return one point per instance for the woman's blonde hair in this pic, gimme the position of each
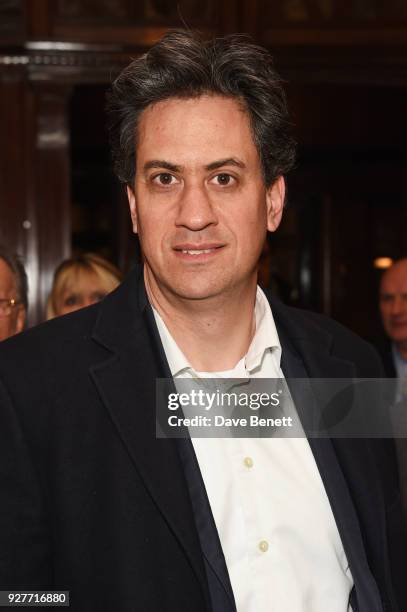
(67, 273)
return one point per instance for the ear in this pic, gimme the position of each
(20, 319)
(133, 208)
(275, 197)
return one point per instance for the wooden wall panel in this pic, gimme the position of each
(12, 154)
(124, 22)
(331, 22)
(38, 19)
(331, 14)
(34, 178)
(11, 22)
(128, 12)
(13, 123)
(50, 181)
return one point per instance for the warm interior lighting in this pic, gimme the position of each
(382, 262)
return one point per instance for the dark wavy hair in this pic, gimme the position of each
(181, 65)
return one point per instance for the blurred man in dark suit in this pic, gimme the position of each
(393, 309)
(13, 294)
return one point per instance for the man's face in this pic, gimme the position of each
(200, 205)
(14, 322)
(393, 302)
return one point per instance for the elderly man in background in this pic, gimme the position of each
(393, 309)
(13, 294)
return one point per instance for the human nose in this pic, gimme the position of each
(396, 305)
(195, 210)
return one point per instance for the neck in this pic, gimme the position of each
(213, 333)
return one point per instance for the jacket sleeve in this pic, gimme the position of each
(25, 549)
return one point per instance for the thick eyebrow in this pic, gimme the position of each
(161, 163)
(219, 163)
(229, 161)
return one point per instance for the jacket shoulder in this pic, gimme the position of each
(343, 343)
(52, 335)
(44, 355)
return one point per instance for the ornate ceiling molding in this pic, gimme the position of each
(58, 60)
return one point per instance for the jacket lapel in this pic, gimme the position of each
(126, 385)
(310, 343)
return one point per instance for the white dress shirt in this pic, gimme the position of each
(278, 534)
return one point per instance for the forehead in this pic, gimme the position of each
(80, 279)
(196, 129)
(77, 277)
(395, 279)
(7, 281)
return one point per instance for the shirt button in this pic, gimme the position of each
(248, 461)
(264, 546)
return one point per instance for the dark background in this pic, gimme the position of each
(345, 64)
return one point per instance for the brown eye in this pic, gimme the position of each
(164, 178)
(224, 179)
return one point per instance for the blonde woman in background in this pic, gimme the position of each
(81, 281)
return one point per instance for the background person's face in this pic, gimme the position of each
(393, 302)
(200, 205)
(13, 323)
(86, 289)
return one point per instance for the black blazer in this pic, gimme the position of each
(385, 351)
(93, 503)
